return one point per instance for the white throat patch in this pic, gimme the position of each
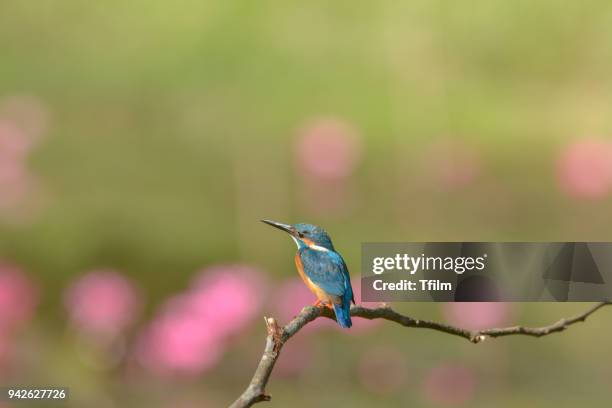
(296, 241)
(312, 246)
(318, 248)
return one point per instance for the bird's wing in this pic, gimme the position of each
(327, 270)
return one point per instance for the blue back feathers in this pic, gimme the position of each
(327, 270)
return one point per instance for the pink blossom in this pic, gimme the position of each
(328, 149)
(476, 315)
(179, 343)
(18, 298)
(187, 337)
(449, 384)
(584, 169)
(451, 164)
(383, 371)
(103, 302)
(228, 296)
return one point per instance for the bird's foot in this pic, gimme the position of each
(322, 305)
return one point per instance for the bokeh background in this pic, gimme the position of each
(141, 142)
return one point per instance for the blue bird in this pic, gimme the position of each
(321, 268)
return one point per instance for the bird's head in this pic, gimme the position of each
(305, 235)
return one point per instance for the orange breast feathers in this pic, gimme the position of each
(318, 292)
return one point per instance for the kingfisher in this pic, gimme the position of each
(321, 268)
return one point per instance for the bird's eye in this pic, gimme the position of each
(301, 235)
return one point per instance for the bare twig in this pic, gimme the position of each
(278, 336)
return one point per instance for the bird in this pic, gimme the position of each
(321, 268)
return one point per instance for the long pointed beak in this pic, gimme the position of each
(287, 228)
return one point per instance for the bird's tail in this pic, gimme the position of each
(343, 314)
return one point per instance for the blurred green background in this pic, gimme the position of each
(173, 127)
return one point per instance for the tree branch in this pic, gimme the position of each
(278, 336)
